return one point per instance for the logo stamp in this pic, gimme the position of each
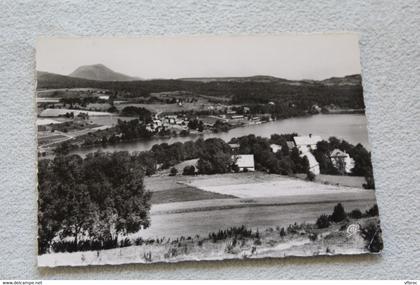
(353, 229)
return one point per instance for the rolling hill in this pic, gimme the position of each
(344, 92)
(101, 73)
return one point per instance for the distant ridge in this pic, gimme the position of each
(346, 80)
(100, 72)
(52, 80)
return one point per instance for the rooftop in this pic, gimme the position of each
(245, 160)
(307, 140)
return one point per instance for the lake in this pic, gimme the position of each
(351, 127)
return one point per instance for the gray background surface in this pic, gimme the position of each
(390, 48)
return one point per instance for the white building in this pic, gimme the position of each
(245, 162)
(237, 117)
(275, 147)
(104, 97)
(342, 161)
(305, 143)
(234, 146)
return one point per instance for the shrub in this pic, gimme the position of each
(373, 212)
(189, 170)
(173, 172)
(282, 232)
(338, 214)
(323, 221)
(372, 234)
(125, 242)
(313, 236)
(370, 182)
(355, 214)
(138, 241)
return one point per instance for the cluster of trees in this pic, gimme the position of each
(94, 198)
(132, 129)
(196, 124)
(123, 131)
(339, 214)
(142, 113)
(220, 126)
(361, 157)
(215, 155)
(286, 161)
(81, 100)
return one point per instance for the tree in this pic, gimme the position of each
(63, 148)
(215, 157)
(142, 113)
(355, 214)
(200, 127)
(338, 214)
(98, 197)
(323, 221)
(189, 170)
(373, 212)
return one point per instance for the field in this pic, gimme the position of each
(186, 209)
(184, 194)
(166, 108)
(258, 185)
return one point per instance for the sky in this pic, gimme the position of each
(290, 56)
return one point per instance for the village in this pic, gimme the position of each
(94, 113)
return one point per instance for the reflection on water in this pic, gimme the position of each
(351, 127)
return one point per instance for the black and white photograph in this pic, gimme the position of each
(189, 148)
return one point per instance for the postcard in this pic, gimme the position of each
(168, 149)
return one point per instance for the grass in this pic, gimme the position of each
(185, 194)
(234, 242)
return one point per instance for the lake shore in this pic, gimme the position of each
(351, 127)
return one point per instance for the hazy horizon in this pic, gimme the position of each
(288, 56)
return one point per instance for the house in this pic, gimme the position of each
(234, 146)
(104, 97)
(157, 123)
(304, 143)
(342, 161)
(237, 117)
(245, 162)
(275, 147)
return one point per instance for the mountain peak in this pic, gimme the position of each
(100, 72)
